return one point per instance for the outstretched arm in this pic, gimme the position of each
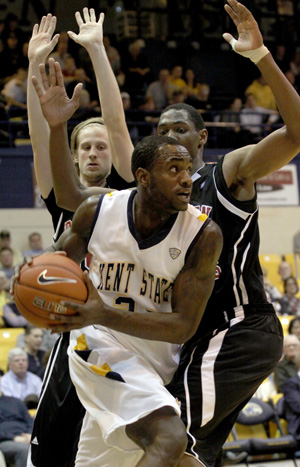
(246, 165)
(57, 109)
(90, 37)
(191, 291)
(40, 45)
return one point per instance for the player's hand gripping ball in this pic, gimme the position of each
(41, 286)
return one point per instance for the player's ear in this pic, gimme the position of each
(202, 137)
(142, 176)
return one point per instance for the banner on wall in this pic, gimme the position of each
(279, 188)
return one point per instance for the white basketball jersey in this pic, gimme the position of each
(138, 275)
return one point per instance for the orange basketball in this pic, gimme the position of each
(44, 283)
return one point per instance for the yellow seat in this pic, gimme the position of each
(8, 340)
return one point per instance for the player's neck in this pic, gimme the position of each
(198, 162)
(148, 221)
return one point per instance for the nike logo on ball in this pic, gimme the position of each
(45, 280)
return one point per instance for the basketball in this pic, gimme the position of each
(44, 283)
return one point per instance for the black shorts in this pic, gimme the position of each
(219, 373)
(59, 416)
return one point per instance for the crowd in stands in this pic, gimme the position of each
(246, 119)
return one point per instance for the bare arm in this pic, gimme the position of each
(244, 166)
(90, 36)
(57, 108)
(40, 46)
(191, 291)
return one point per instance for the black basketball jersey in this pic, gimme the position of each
(238, 281)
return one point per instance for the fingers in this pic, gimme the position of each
(76, 93)
(54, 41)
(78, 18)
(44, 77)
(52, 72)
(36, 86)
(93, 15)
(42, 24)
(61, 253)
(72, 35)
(51, 24)
(101, 18)
(228, 37)
(35, 30)
(58, 75)
(86, 15)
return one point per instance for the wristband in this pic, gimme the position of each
(255, 55)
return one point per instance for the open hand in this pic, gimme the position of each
(41, 43)
(56, 106)
(87, 314)
(90, 30)
(250, 37)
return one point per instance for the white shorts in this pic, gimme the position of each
(115, 386)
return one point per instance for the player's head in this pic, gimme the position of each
(91, 151)
(184, 123)
(162, 168)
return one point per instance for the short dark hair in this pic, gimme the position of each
(147, 151)
(29, 328)
(4, 234)
(193, 114)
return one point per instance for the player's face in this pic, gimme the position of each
(177, 124)
(93, 155)
(170, 183)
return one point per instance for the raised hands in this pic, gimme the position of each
(250, 37)
(56, 106)
(41, 43)
(90, 30)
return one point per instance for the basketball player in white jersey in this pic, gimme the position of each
(152, 272)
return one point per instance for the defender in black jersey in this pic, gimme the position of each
(239, 339)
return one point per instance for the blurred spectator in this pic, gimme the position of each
(287, 367)
(296, 243)
(69, 70)
(61, 53)
(177, 97)
(285, 269)
(253, 116)
(192, 87)
(35, 245)
(232, 135)
(15, 89)
(291, 392)
(11, 26)
(270, 288)
(126, 100)
(11, 55)
(6, 261)
(137, 69)
(267, 389)
(3, 297)
(80, 76)
(160, 90)
(112, 55)
(281, 58)
(294, 327)
(262, 93)
(87, 108)
(5, 240)
(203, 101)
(18, 381)
(12, 317)
(33, 342)
(175, 79)
(47, 342)
(290, 304)
(15, 430)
